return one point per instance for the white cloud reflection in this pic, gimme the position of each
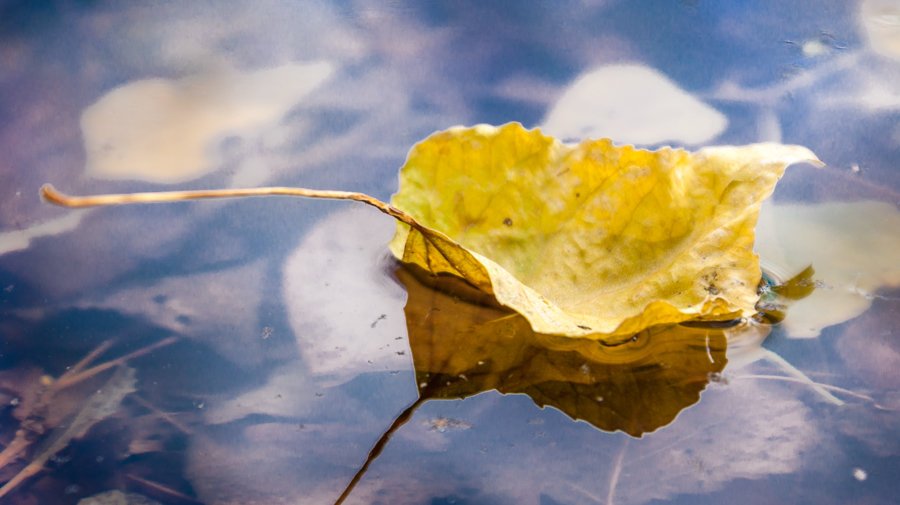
(748, 430)
(20, 239)
(345, 310)
(852, 247)
(880, 20)
(162, 130)
(392, 89)
(632, 104)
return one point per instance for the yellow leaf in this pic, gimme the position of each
(589, 240)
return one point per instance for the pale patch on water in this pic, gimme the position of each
(165, 131)
(218, 307)
(18, 240)
(880, 20)
(632, 104)
(852, 247)
(345, 310)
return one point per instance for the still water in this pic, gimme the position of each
(254, 351)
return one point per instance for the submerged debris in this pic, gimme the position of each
(444, 424)
(116, 497)
(52, 413)
(103, 403)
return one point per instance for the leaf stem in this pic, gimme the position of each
(52, 195)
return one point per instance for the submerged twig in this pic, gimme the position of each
(85, 361)
(163, 415)
(162, 489)
(617, 471)
(828, 387)
(12, 450)
(800, 376)
(100, 405)
(67, 380)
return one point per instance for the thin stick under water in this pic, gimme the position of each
(50, 194)
(823, 386)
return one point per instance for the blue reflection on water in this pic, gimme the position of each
(264, 420)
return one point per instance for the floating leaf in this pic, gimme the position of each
(590, 240)
(542, 241)
(587, 240)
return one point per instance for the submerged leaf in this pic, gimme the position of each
(590, 240)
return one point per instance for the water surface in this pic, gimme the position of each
(290, 353)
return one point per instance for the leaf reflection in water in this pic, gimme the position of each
(463, 344)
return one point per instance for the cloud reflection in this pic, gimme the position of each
(853, 262)
(881, 21)
(632, 104)
(165, 131)
(345, 310)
